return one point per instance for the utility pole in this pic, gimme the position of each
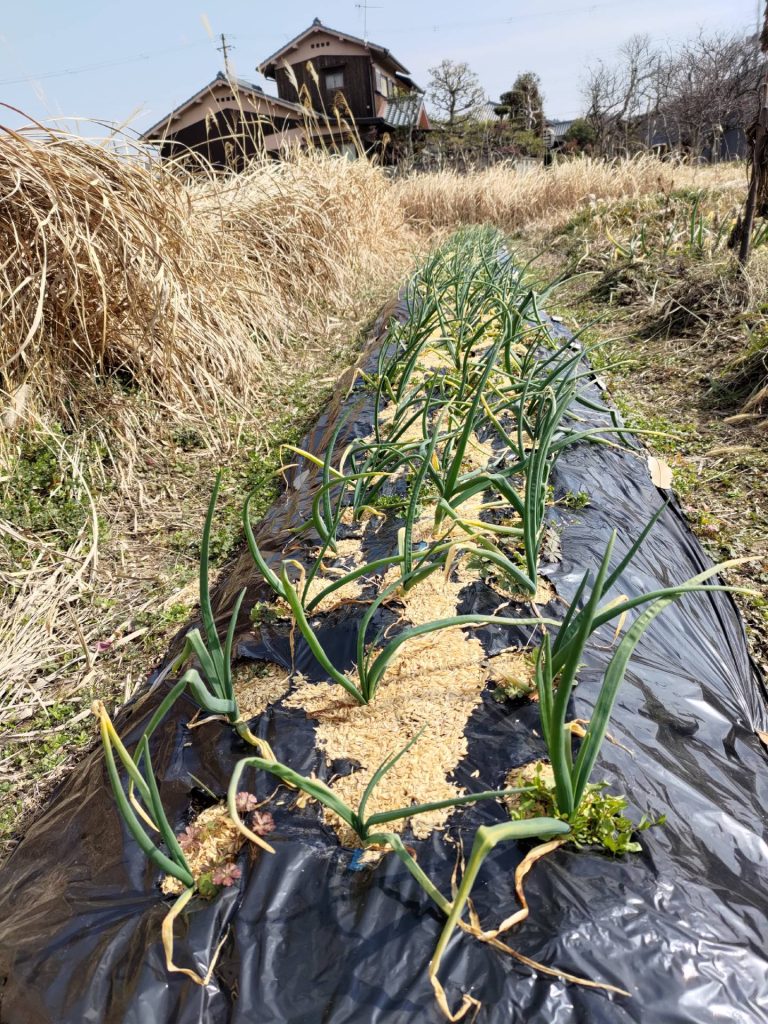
(225, 48)
(742, 232)
(756, 183)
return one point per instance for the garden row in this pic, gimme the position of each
(398, 675)
(474, 401)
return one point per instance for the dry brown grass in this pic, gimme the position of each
(664, 258)
(192, 289)
(686, 335)
(513, 199)
(189, 289)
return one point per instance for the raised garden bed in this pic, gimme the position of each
(466, 536)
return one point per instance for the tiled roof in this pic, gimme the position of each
(318, 26)
(482, 113)
(403, 111)
(487, 111)
(559, 129)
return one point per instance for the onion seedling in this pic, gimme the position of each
(215, 692)
(140, 820)
(558, 664)
(152, 814)
(487, 838)
(368, 830)
(371, 664)
(364, 826)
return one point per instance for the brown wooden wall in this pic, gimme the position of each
(358, 90)
(228, 140)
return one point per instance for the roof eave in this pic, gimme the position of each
(161, 129)
(406, 77)
(387, 55)
(151, 133)
(268, 65)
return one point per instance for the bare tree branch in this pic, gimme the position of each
(684, 98)
(454, 91)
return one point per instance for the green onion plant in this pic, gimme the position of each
(505, 380)
(372, 662)
(559, 661)
(214, 691)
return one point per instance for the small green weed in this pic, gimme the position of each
(159, 619)
(188, 439)
(41, 493)
(575, 499)
(10, 809)
(515, 682)
(394, 503)
(599, 820)
(263, 613)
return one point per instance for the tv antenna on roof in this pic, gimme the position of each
(365, 7)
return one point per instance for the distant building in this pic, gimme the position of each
(555, 132)
(332, 89)
(224, 122)
(720, 142)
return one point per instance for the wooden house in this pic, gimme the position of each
(338, 71)
(333, 89)
(226, 122)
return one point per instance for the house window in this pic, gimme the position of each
(383, 84)
(334, 80)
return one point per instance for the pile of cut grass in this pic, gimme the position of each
(116, 267)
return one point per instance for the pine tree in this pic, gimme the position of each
(523, 105)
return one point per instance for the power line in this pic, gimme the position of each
(100, 65)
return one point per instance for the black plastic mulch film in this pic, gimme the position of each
(313, 938)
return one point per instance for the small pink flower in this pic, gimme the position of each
(226, 874)
(262, 823)
(246, 802)
(188, 837)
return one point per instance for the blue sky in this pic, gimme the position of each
(135, 61)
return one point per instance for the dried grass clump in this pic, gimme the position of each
(510, 198)
(135, 299)
(259, 684)
(189, 289)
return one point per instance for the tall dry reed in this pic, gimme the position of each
(512, 198)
